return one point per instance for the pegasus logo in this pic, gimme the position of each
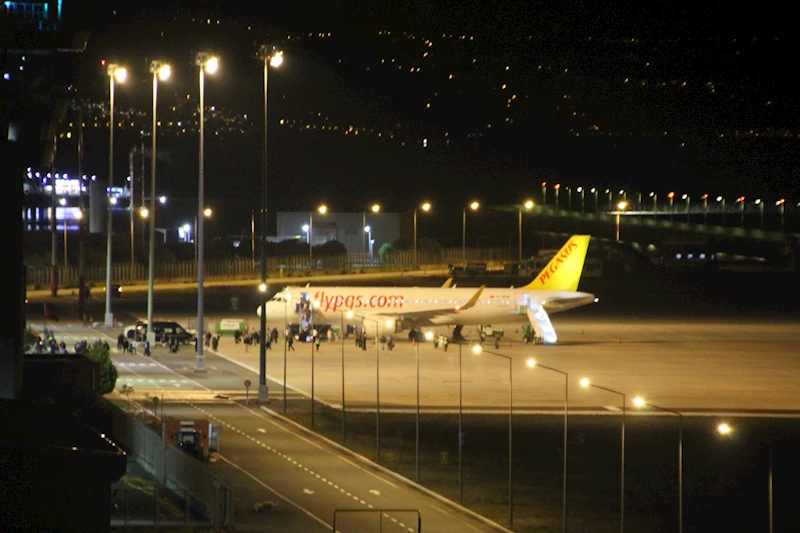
(557, 261)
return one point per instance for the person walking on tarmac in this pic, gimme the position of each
(444, 343)
(316, 342)
(290, 341)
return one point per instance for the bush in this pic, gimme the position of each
(108, 372)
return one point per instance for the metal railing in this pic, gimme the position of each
(125, 273)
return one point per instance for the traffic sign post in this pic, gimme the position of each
(247, 391)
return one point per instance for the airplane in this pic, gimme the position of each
(390, 310)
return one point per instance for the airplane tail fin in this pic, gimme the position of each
(564, 270)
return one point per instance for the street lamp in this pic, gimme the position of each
(608, 192)
(368, 231)
(272, 57)
(557, 188)
(210, 64)
(594, 191)
(624, 195)
(688, 204)
(377, 387)
(760, 205)
(582, 191)
(544, 193)
(740, 201)
(671, 196)
(159, 70)
(722, 200)
(527, 205)
(425, 207)
(477, 348)
(654, 196)
(474, 206)
(322, 209)
(781, 206)
(207, 212)
(620, 208)
(705, 209)
(116, 73)
(639, 402)
(569, 198)
(586, 383)
(375, 209)
(533, 364)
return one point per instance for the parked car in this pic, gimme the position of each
(164, 330)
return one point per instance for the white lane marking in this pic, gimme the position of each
(275, 492)
(308, 491)
(261, 430)
(375, 492)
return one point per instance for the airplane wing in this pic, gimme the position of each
(447, 283)
(555, 303)
(422, 317)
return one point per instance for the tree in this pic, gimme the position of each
(108, 372)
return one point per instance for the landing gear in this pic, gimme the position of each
(416, 336)
(457, 337)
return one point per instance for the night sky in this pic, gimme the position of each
(399, 102)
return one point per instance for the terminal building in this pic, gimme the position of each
(358, 232)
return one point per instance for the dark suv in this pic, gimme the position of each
(165, 331)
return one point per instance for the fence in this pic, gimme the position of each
(206, 499)
(232, 269)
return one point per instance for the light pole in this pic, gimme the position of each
(721, 200)
(544, 193)
(527, 205)
(671, 196)
(760, 205)
(368, 231)
(115, 73)
(654, 196)
(740, 201)
(624, 195)
(131, 208)
(582, 191)
(479, 349)
(620, 208)
(310, 230)
(688, 206)
(286, 299)
(375, 209)
(586, 383)
(207, 212)
(781, 207)
(159, 70)
(416, 432)
(608, 192)
(594, 191)
(207, 63)
(705, 209)
(377, 386)
(639, 402)
(569, 198)
(425, 207)
(341, 338)
(273, 57)
(533, 364)
(557, 188)
(474, 206)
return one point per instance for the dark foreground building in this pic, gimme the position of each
(56, 471)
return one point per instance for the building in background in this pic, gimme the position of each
(346, 228)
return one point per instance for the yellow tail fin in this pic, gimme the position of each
(563, 272)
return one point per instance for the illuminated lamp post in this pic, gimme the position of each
(639, 402)
(620, 208)
(781, 207)
(322, 209)
(210, 64)
(586, 383)
(533, 364)
(474, 206)
(740, 201)
(375, 209)
(688, 206)
(425, 207)
(557, 188)
(760, 205)
(271, 57)
(477, 348)
(721, 200)
(595, 192)
(671, 197)
(582, 191)
(527, 205)
(544, 193)
(159, 70)
(705, 209)
(118, 74)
